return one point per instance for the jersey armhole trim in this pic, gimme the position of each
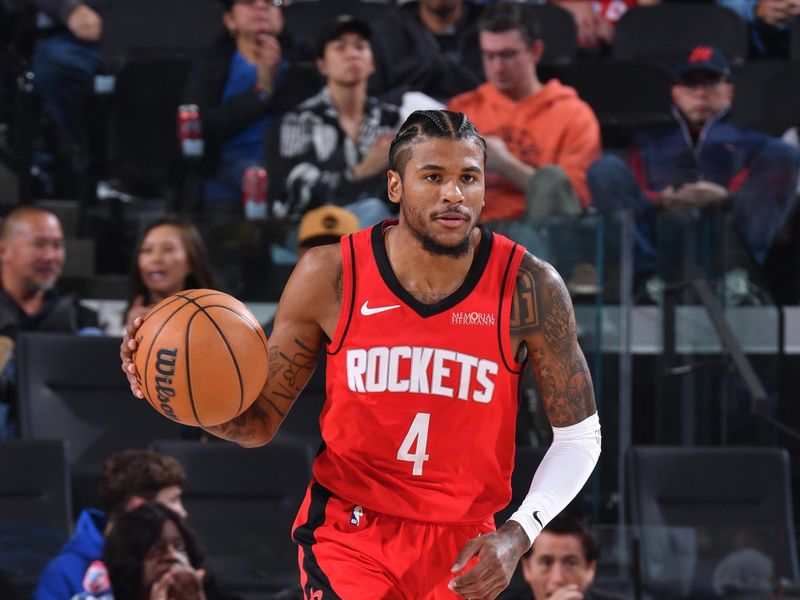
(504, 320)
(348, 295)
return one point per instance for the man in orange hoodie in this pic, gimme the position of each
(541, 137)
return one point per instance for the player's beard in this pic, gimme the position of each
(429, 244)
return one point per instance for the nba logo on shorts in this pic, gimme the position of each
(355, 518)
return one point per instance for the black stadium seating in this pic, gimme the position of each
(72, 388)
(665, 31)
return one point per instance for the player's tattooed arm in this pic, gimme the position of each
(307, 312)
(290, 367)
(543, 325)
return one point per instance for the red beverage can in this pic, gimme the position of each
(190, 130)
(254, 193)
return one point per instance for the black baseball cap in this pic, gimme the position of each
(703, 58)
(342, 24)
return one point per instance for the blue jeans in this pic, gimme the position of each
(759, 208)
(64, 67)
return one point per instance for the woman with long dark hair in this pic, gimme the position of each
(170, 257)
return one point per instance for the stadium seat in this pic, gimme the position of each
(557, 30)
(35, 515)
(242, 503)
(72, 388)
(767, 95)
(142, 144)
(305, 19)
(139, 27)
(794, 52)
(625, 96)
(694, 507)
(526, 461)
(666, 31)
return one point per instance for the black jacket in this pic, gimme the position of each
(60, 314)
(408, 57)
(222, 121)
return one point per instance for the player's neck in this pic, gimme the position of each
(421, 271)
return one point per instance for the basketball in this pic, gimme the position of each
(201, 357)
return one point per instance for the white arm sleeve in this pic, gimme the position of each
(562, 473)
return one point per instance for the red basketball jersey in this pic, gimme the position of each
(422, 399)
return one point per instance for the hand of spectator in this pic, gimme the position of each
(586, 20)
(268, 58)
(126, 350)
(497, 555)
(774, 12)
(707, 192)
(497, 154)
(137, 309)
(568, 592)
(499, 159)
(690, 196)
(181, 582)
(376, 160)
(85, 24)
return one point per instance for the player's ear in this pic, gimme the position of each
(394, 185)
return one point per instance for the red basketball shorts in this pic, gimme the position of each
(350, 553)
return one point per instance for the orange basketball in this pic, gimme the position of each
(201, 357)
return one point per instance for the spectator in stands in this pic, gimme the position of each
(31, 258)
(130, 478)
(700, 160)
(324, 225)
(334, 148)
(170, 257)
(769, 24)
(151, 553)
(562, 562)
(241, 87)
(541, 138)
(595, 20)
(65, 58)
(427, 46)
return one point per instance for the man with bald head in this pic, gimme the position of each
(31, 259)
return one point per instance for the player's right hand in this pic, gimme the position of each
(126, 350)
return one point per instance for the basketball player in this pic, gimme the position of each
(428, 323)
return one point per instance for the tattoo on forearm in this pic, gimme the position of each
(288, 372)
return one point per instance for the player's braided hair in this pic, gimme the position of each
(426, 124)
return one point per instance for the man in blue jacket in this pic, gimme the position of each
(130, 478)
(700, 160)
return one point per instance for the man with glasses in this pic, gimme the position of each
(541, 137)
(700, 160)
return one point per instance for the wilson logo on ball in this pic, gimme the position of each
(165, 365)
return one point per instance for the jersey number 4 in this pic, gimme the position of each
(416, 437)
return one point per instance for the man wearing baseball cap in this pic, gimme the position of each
(700, 160)
(334, 147)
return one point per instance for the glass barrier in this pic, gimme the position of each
(700, 397)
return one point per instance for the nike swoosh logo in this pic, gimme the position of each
(367, 311)
(537, 519)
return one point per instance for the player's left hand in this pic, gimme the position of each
(498, 554)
